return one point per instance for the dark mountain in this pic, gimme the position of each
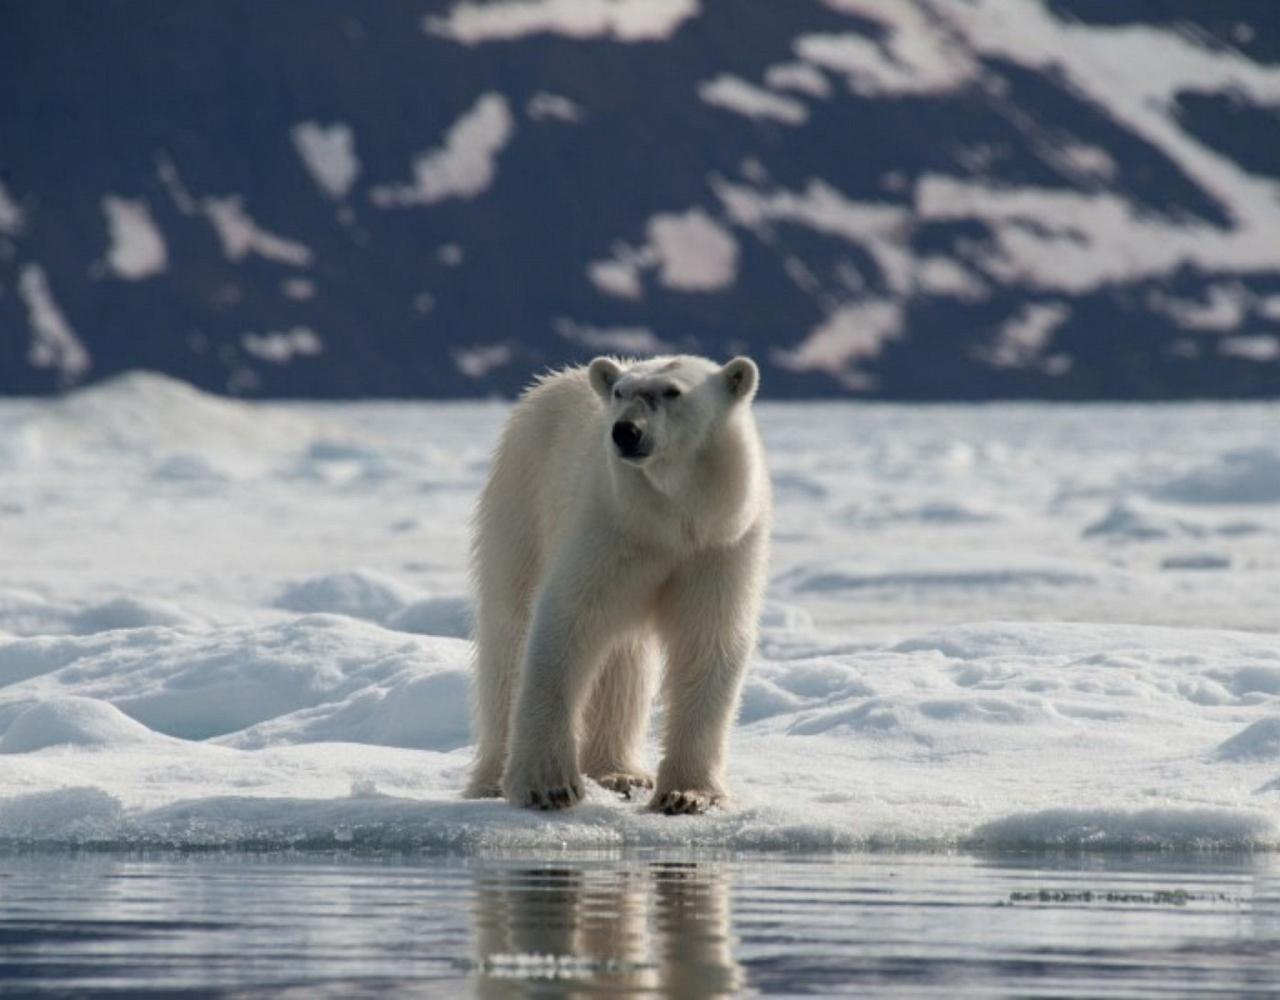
(909, 200)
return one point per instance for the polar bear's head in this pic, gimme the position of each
(666, 408)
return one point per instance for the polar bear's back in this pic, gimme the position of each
(551, 436)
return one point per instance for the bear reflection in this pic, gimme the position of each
(570, 931)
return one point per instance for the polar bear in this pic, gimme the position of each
(626, 517)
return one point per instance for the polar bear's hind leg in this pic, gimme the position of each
(617, 717)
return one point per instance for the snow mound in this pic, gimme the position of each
(214, 683)
(20, 446)
(1128, 521)
(1244, 476)
(81, 722)
(26, 613)
(447, 614)
(1075, 643)
(1257, 741)
(182, 434)
(333, 732)
(1196, 561)
(339, 461)
(916, 720)
(785, 617)
(427, 712)
(934, 512)
(23, 612)
(761, 699)
(153, 413)
(811, 579)
(129, 612)
(358, 593)
(190, 467)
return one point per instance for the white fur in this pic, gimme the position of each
(589, 566)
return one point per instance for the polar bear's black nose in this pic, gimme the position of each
(626, 436)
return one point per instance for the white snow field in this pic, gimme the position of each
(225, 624)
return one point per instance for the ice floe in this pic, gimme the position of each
(1012, 626)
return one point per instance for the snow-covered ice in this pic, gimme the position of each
(1007, 625)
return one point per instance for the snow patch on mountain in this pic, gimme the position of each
(1262, 348)
(628, 341)
(1023, 341)
(329, 154)
(477, 361)
(282, 346)
(690, 251)
(1052, 238)
(13, 221)
(744, 98)
(617, 20)
(1134, 76)
(545, 106)
(883, 229)
(54, 344)
(915, 55)
(798, 76)
(694, 252)
(1224, 308)
(854, 333)
(241, 236)
(464, 166)
(137, 248)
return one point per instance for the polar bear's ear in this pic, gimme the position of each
(603, 373)
(741, 376)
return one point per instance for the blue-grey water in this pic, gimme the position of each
(310, 926)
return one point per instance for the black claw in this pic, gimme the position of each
(535, 798)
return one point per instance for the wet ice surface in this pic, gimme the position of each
(323, 925)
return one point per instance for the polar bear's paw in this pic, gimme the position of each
(544, 788)
(686, 801)
(485, 781)
(482, 789)
(624, 782)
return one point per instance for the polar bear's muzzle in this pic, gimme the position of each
(629, 439)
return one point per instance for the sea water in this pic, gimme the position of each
(692, 925)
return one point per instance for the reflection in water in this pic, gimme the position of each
(952, 926)
(659, 927)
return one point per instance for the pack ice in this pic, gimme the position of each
(225, 624)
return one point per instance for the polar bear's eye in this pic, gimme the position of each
(617, 393)
(671, 394)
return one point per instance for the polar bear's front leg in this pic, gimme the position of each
(582, 607)
(542, 761)
(707, 616)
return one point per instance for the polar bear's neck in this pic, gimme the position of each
(707, 499)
